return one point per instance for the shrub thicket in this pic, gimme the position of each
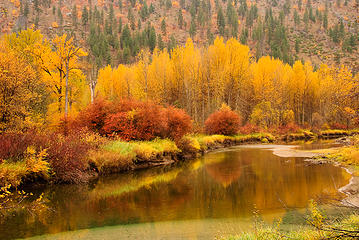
(225, 122)
(131, 119)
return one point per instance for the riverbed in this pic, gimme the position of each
(215, 195)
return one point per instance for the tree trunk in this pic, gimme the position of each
(67, 89)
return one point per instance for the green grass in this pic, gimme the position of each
(12, 173)
(208, 141)
(120, 155)
(324, 231)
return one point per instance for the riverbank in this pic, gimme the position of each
(346, 157)
(319, 226)
(78, 159)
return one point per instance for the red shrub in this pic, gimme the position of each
(133, 120)
(69, 125)
(249, 128)
(93, 117)
(67, 157)
(224, 121)
(145, 122)
(288, 128)
(178, 123)
(338, 126)
(128, 104)
(14, 144)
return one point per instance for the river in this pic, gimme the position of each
(212, 196)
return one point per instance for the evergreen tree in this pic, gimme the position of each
(125, 39)
(152, 9)
(152, 38)
(120, 5)
(244, 36)
(85, 16)
(59, 15)
(180, 18)
(139, 24)
(131, 19)
(296, 18)
(163, 26)
(160, 43)
(220, 22)
(193, 28)
(74, 16)
(120, 25)
(297, 45)
(325, 20)
(171, 43)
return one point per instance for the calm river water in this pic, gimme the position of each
(212, 196)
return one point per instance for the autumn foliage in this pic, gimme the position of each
(131, 119)
(94, 115)
(66, 155)
(225, 122)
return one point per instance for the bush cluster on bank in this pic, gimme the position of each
(37, 156)
(129, 120)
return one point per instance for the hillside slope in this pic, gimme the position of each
(319, 31)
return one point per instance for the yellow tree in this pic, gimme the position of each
(18, 83)
(160, 79)
(66, 58)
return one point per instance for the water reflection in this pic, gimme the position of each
(222, 185)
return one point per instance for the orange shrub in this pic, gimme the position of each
(338, 126)
(94, 115)
(225, 121)
(143, 123)
(288, 128)
(249, 128)
(131, 119)
(178, 123)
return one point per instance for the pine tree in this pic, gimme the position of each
(74, 16)
(120, 25)
(220, 22)
(193, 28)
(85, 16)
(180, 18)
(163, 27)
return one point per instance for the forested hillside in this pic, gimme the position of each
(114, 31)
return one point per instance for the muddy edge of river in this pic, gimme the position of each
(351, 190)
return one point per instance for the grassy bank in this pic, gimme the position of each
(347, 228)
(317, 226)
(76, 159)
(347, 156)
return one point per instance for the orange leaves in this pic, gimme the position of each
(134, 120)
(225, 122)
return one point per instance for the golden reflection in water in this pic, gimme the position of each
(222, 185)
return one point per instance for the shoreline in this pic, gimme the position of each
(351, 190)
(109, 159)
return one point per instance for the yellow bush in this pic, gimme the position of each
(12, 173)
(35, 162)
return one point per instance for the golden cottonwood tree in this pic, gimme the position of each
(18, 89)
(199, 80)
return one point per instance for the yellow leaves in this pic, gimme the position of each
(131, 114)
(349, 111)
(36, 163)
(54, 25)
(201, 79)
(225, 107)
(115, 83)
